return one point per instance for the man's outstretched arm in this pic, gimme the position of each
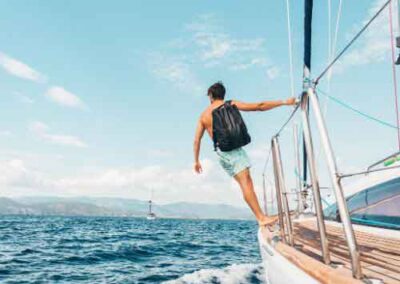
(265, 105)
(196, 146)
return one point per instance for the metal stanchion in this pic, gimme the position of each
(314, 180)
(278, 192)
(340, 199)
(282, 189)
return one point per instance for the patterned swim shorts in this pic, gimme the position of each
(235, 161)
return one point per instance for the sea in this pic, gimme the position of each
(52, 249)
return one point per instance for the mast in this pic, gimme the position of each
(308, 9)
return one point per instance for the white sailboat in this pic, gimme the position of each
(357, 238)
(151, 215)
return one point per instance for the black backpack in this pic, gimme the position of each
(229, 129)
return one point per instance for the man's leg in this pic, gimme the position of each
(246, 184)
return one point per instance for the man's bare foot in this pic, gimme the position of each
(267, 220)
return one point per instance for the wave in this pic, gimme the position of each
(233, 274)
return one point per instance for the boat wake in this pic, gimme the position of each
(233, 274)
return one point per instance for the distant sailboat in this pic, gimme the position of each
(151, 215)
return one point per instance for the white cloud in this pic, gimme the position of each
(169, 185)
(252, 62)
(62, 97)
(219, 47)
(5, 133)
(273, 72)
(41, 130)
(206, 45)
(15, 174)
(176, 72)
(160, 153)
(20, 69)
(374, 45)
(23, 98)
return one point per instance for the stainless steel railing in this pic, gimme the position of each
(281, 193)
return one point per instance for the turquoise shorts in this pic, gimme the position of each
(235, 161)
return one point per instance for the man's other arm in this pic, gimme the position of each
(265, 105)
(196, 146)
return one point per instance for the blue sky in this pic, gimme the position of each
(101, 98)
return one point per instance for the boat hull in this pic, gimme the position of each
(280, 270)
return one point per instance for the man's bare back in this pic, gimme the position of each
(206, 116)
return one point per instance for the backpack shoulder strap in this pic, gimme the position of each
(215, 140)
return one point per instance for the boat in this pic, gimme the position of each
(151, 215)
(356, 239)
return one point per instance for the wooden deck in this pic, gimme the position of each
(380, 256)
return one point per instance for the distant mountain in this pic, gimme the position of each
(104, 206)
(9, 206)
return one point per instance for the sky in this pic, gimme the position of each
(100, 98)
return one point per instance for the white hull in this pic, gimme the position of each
(278, 269)
(151, 217)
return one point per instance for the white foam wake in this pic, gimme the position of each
(233, 274)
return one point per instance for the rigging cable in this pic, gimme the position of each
(351, 42)
(394, 73)
(331, 53)
(363, 114)
(332, 45)
(290, 47)
(338, 17)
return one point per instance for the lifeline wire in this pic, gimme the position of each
(367, 172)
(351, 42)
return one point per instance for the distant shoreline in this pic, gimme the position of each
(117, 207)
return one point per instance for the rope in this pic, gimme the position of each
(351, 42)
(394, 73)
(363, 114)
(290, 48)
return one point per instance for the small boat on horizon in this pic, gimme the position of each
(151, 215)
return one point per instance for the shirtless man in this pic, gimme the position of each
(236, 162)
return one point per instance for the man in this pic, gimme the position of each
(235, 162)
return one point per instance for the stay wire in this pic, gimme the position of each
(351, 42)
(394, 73)
(290, 48)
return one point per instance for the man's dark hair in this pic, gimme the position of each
(217, 91)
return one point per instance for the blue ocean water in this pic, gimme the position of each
(127, 250)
